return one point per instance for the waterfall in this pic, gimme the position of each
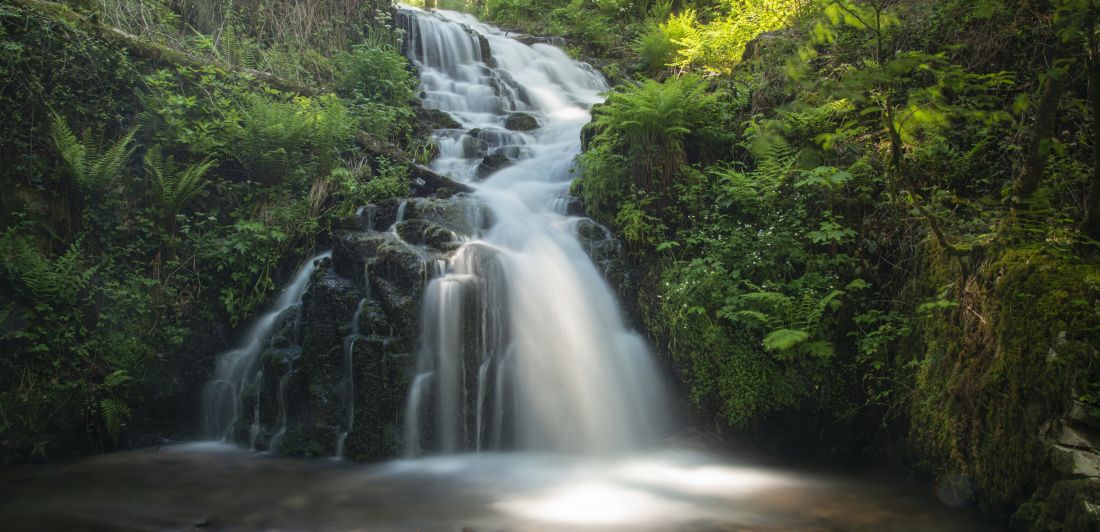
(237, 374)
(523, 345)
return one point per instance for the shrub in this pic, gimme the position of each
(650, 120)
(659, 46)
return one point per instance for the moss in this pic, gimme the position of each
(997, 368)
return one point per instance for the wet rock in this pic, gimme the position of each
(350, 223)
(397, 276)
(588, 132)
(374, 322)
(316, 407)
(350, 251)
(492, 163)
(1077, 501)
(382, 372)
(486, 51)
(521, 122)
(473, 147)
(574, 206)
(463, 215)
(425, 233)
(552, 40)
(1082, 414)
(429, 120)
(606, 253)
(1075, 462)
(1078, 438)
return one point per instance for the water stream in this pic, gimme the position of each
(236, 375)
(525, 292)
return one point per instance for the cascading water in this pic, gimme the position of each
(237, 376)
(523, 345)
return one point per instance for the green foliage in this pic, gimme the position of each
(650, 121)
(380, 88)
(794, 327)
(109, 263)
(377, 73)
(270, 139)
(718, 46)
(173, 188)
(660, 45)
(91, 170)
(391, 181)
(274, 137)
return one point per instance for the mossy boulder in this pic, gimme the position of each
(425, 233)
(998, 365)
(521, 122)
(492, 163)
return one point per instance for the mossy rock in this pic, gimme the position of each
(998, 368)
(492, 163)
(521, 122)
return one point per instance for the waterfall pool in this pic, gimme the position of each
(207, 486)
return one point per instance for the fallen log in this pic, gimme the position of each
(424, 179)
(148, 50)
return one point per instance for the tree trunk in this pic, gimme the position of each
(1091, 226)
(1038, 148)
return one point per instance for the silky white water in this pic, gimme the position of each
(523, 344)
(237, 371)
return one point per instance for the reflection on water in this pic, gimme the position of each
(220, 487)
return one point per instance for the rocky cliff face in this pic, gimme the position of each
(337, 369)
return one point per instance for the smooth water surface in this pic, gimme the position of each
(222, 487)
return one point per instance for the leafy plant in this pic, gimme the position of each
(650, 121)
(173, 188)
(91, 169)
(794, 326)
(659, 46)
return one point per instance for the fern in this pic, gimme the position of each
(115, 414)
(652, 119)
(236, 49)
(792, 325)
(785, 339)
(775, 158)
(173, 188)
(57, 281)
(91, 171)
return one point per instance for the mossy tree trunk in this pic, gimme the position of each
(1091, 225)
(1042, 131)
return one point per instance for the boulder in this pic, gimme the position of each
(521, 122)
(491, 163)
(1075, 462)
(425, 233)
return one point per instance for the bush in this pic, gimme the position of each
(377, 82)
(275, 137)
(378, 73)
(649, 121)
(660, 45)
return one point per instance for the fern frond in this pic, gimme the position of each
(71, 149)
(785, 339)
(115, 414)
(106, 167)
(173, 189)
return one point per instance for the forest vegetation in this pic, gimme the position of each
(859, 224)
(159, 188)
